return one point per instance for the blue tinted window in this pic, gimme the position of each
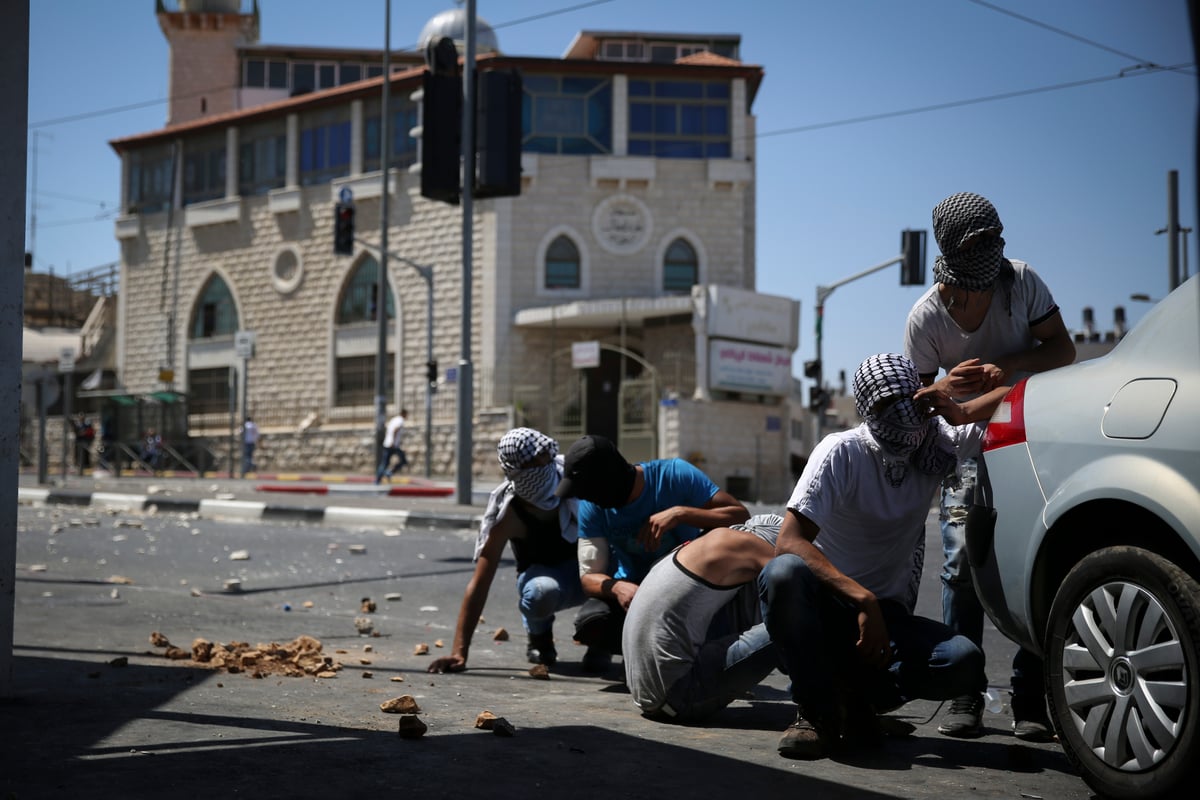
(566, 114)
(679, 119)
(562, 264)
(277, 75)
(304, 77)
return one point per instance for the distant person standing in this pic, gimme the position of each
(391, 447)
(250, 438)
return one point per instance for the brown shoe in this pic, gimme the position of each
(803, 739)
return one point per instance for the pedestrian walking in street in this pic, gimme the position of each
(391, 447)
(541, 530)
(250, 437)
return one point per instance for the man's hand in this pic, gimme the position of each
(624, 591)
(651, 533)
(873, 645)
(934, 401)
(969, 378)
(451, 663)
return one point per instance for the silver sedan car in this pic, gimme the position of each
(1085, 542)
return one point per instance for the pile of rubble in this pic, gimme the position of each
(301, 657)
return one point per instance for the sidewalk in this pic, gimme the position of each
(315, 497)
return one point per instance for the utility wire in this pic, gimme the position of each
(1141, 69)
(1091, 43)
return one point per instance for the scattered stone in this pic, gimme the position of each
(233, 585)
(366, 662)
(196, 592)
(37, 567)
(439, 643)
(327, 674)
(119, 661)
(128, 523)
(397, 679)
(429, 608)
(363, 625)
(485, 720)
(367, 648)
(392, 532)
(502, 727)
(202, 650)
(158, 640)
(368, 674)
(367, 606)
(307, 604)
(411, 727)
(392, 597)
(358, 549)
(540, 672)
(239, 555)
(121, 579)
(500, 635)
(115, 594)
(421, 649)
(177, 653)
(404, 704)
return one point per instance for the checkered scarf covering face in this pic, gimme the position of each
(902, 429)
(535, 485)
(967, 229)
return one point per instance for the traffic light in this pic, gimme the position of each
(912, 267)
(441, 123)
(431, 372)
(812, 369)
(498, 134)
(816, 399)
(343, 229)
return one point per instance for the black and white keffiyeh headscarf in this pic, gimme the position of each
(884, 386)
(533, 484)
(967, 229)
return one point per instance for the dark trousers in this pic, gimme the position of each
(599, 623)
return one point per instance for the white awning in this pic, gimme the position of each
(604, 313)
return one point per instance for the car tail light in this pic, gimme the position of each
(1008, 423)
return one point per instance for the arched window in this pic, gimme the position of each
(354, 381)
(562, 264)
(215, 314)
(358, 298)
(680, 267)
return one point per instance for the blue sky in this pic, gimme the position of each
(862, 118)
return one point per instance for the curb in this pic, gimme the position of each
(247, 509)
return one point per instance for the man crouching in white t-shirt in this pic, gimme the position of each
(839, 595)
(693, 639)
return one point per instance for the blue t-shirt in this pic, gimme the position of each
(668, 482)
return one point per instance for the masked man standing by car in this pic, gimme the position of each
(988, 321)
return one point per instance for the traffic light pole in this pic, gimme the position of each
(823, 293)
(465, 377)
(381, 292)
(426, 273)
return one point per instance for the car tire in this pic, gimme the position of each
(1123, 676)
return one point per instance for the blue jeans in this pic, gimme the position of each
(385, 466)
(815, 632)
(248, 457)
(544, 589)
(961, 609)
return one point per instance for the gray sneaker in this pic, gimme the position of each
(964, 720)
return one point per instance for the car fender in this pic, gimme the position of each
(1134, 479)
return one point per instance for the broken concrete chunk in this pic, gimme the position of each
(500, 635)
(392, 597)
(439, 643)
(363, 625)
(239, 555)
(485, 720)
(502, 727)
(404, 704)
(119, 661)
(158, 640)
(397, 679)
(421, 649)
(367, 606)
(201, 650)
(411, 727)
(177, 653)
(358, 549)
(540, 672)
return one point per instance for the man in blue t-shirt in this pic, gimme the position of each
(630, 516)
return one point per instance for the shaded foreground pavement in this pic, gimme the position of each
(99, 711)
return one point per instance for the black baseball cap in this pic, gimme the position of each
(595, 470)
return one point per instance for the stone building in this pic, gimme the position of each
(614, 295)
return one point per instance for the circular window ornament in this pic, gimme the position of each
(287, 271)
(622, 224)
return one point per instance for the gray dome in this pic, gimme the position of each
(453, 24)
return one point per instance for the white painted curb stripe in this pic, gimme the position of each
(351, 514)
(243, 509)
(123, 502)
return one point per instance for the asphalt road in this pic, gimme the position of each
(93, 584)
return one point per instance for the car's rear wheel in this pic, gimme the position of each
(1122, 666)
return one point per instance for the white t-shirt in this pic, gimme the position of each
(870, 529)
(391, 436)
(933, 340)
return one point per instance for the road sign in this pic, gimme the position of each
(243, 343)
(345, 195)
(585, 354)
(66, 360)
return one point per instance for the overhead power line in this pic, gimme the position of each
(1141, 69)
